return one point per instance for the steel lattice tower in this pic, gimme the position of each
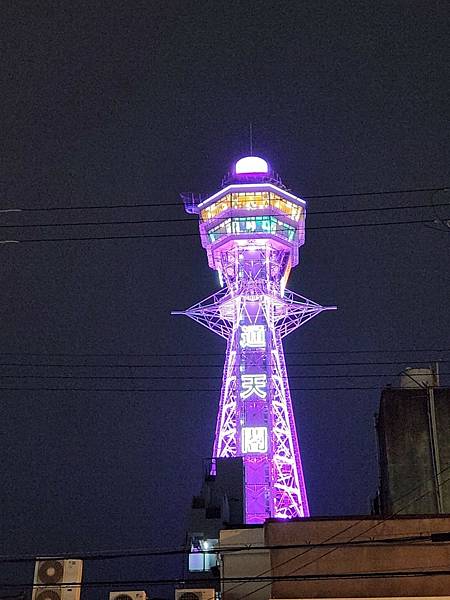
(252, 230)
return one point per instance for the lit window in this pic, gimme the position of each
(252, 201)
(199, 557)
(246, 225)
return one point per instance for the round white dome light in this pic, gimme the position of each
(251, 164)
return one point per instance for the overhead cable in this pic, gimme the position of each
(195, 234)
(348, 528)
(212, 365)
(253, 579)
(190, 377)
(179, 203)
(174, 354)
(417, 540)
(217, 219)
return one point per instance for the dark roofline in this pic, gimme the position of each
(359, 518)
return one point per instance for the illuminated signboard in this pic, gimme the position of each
(253, 336)
(254, 440)
(253, 384)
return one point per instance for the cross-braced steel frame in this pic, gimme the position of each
(282, 493)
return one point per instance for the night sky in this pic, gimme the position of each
(133, 103)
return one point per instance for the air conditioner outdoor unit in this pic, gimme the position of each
(200, 594)
(51, 576)
(127, 595)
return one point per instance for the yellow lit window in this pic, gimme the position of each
(253, 201)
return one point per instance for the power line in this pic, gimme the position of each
(333, 545)
(310, 546)
(203, 365)
(215, 365)
(190, 377)
(179, 204)
(417, 540)
(242, 579)
(195, 234)
(159, 390)
(153, 354)
(345, 529)
(378, 193)
(314, 560)
(374, 209)
(217, 219)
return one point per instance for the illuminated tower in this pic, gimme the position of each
(252, 230)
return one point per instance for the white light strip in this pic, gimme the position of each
(251, 187)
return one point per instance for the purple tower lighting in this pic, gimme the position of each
(252, 230)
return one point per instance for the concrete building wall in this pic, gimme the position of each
(373, 554)
(248, 563)
(409, 478)
(358, 559)
(442, 403)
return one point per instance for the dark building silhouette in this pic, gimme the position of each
(219, 504)
(413, 428)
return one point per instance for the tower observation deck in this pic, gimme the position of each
(252, 230)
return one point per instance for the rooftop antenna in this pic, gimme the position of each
(251, 138)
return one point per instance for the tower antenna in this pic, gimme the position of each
(251, 137)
